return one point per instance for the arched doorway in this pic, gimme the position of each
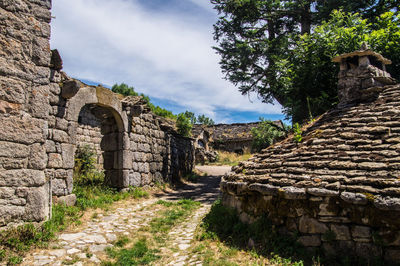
(98, 119)
(98, 129)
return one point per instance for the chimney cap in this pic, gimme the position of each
(364, 51)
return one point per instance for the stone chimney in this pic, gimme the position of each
(362, 74)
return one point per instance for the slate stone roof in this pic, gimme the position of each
(353, 150)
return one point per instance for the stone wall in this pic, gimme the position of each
(24, 110)
(335, 222)
(45, 116)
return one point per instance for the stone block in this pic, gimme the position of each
(12, 90)
(367, 250)
(293, 193)
(135, 179)
(59, 187)
(7, 192)
(39, 104)
(61, 124)
(70, 88)
(11, 163)
(11, 213)
(13, 150)
(55, 160)
(392, 255)
(125, 179)
(68, 155)
(38, 157)
(127, 159)
(354, 198)
(69, 200)
(50, 146)
(60, 136)
(37, 204)
(309, 225)
(361, 231)
(326, 209)
(342, 232)
(310, 241)
(146, 179)
(32, 128)
(22, 178)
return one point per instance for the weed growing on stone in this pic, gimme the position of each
(172, 216)
(122, 241)
(139, 254)
(146, 251)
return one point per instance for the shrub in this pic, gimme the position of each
(265, 134)
(184, 125)
(297, 133)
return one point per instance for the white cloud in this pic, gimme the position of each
(163, 55)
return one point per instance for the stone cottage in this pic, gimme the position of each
(339, 188)
(235, 137)
(45, 116)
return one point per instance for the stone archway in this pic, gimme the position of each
(99, 121)
(98, 129)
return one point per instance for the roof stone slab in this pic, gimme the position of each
(352, 151)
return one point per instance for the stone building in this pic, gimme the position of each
(339, 188)
(45, 116)
(227, 137)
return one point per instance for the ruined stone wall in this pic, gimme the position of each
(24, 110)
(45, 116)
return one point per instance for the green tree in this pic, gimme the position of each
(204, 120)
(256, 39)
(265, 134)
(191, 117)
(184, 125)
(124, 89)
(309, 74)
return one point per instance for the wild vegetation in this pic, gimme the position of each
(230, 158)
(91, 192)
(266, 133)
(282, 50)
(224, 240)
(144, 246)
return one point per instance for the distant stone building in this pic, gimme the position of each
(45, 116)
(227, 137)
(342, 180)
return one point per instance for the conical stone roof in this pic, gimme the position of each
(352, 151)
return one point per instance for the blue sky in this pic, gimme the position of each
(161, 47)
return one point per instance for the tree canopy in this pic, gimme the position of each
(261, 41)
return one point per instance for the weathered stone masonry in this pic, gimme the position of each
(339, 188)
(45, 116)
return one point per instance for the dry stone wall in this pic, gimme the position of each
(24, 110)
(45, 116)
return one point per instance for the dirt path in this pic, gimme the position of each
(86, 245)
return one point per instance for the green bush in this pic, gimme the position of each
(297, 133)
(184, 125)
(265, 134)
(85, 171)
